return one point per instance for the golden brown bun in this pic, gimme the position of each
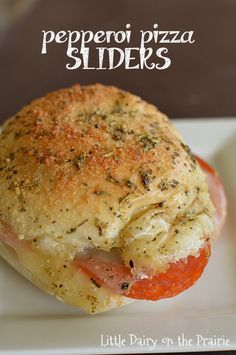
(95, 166)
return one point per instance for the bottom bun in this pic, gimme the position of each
(67, 284)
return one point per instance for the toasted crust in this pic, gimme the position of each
(97, 167)
(78, 165)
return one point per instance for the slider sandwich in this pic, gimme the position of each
(102, 202)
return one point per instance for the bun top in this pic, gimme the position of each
(95, 166)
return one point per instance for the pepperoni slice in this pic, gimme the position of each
(176, 279)
(112, 273)
(180, 276)
(217, 193)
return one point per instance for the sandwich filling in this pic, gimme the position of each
(109, 270)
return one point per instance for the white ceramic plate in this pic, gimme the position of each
(32, 322)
